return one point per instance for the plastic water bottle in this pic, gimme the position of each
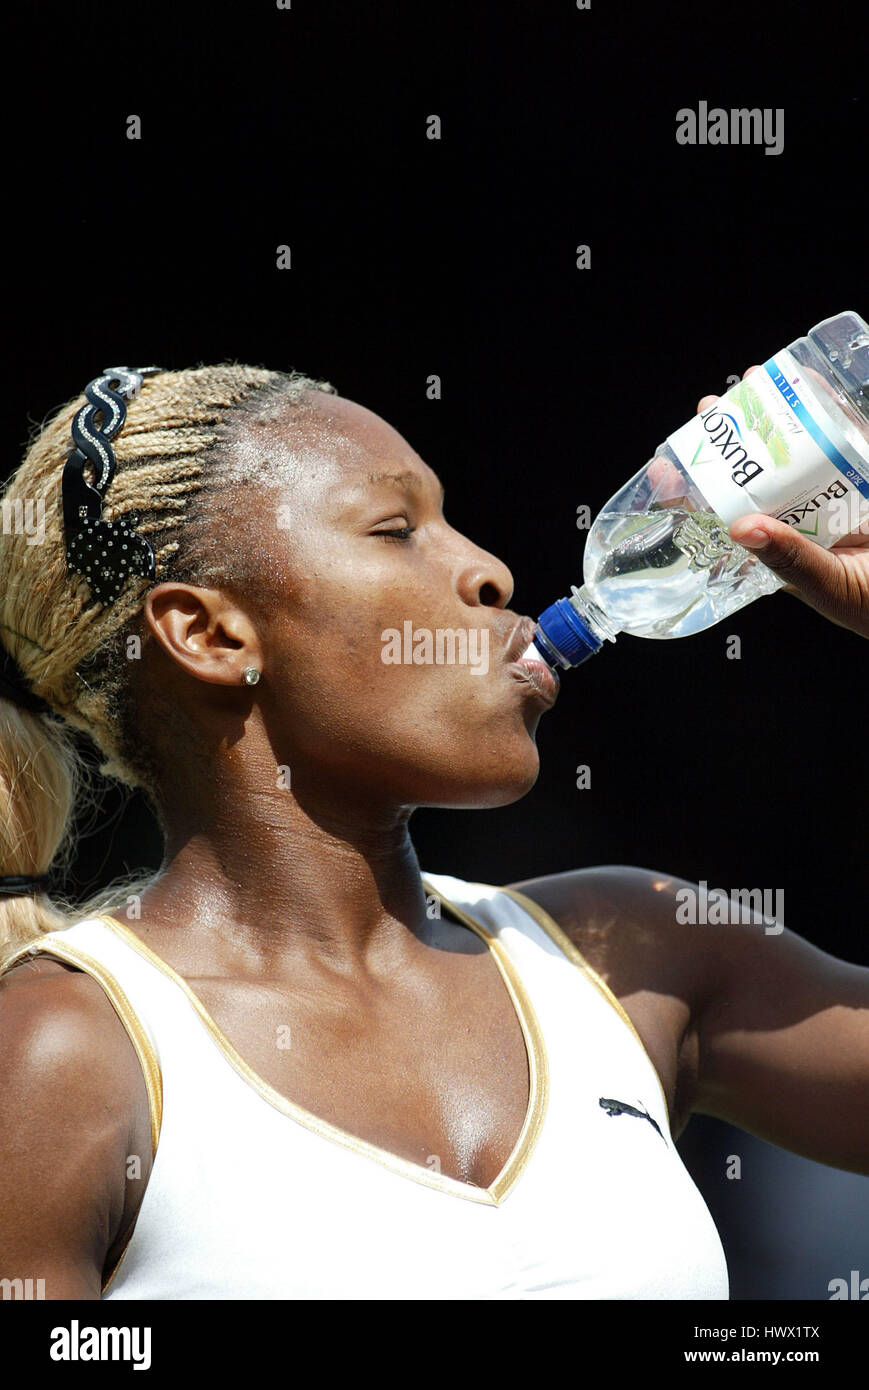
(791, 440)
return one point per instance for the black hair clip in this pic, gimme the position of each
(106, 553)
(14, 885)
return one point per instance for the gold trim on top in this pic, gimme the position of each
(493, 1195)
(135, 1031)
(562, 940)
(538, 1064)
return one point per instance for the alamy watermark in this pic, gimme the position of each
(738, 126)
(18, 518)
(445, 646)
(853, 1287)
(846, 511)
(741, 906)
(77, 1343)
(26, 1289)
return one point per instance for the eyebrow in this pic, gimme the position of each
(406, 479)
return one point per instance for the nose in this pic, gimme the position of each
(485, 581)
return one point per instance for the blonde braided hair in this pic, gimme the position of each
(171, 457)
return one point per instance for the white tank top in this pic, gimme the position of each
(250, 1196)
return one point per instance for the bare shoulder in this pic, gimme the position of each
(774, 1029)
(50, 1010)
(72, 1099)
(63, 1047)
(627, 923)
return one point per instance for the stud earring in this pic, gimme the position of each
(251, 675)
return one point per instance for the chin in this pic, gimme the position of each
(485, 788)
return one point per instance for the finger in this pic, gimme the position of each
(809, 570)
(705, 401)
(661, 470)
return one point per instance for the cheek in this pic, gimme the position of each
(355, 687)
(348, 605)
(435, 735)
(352, 679)
(356, 623)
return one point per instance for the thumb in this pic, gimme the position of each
(809, 571)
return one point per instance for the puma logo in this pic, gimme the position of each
(620, 1107)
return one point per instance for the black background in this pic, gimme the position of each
(307, 127)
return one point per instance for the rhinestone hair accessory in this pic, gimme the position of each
(106, 553)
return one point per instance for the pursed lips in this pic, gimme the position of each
(535, 673)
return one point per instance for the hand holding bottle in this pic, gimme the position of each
(834, 582)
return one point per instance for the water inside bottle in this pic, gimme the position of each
(670, 572)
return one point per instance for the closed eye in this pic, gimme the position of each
(403, 534)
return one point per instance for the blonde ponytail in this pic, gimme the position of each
(39, 781)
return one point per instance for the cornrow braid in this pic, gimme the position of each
(170, 458)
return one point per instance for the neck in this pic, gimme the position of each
(264, 873)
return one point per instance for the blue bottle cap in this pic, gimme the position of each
(563, 636)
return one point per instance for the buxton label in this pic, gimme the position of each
(769, 445)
